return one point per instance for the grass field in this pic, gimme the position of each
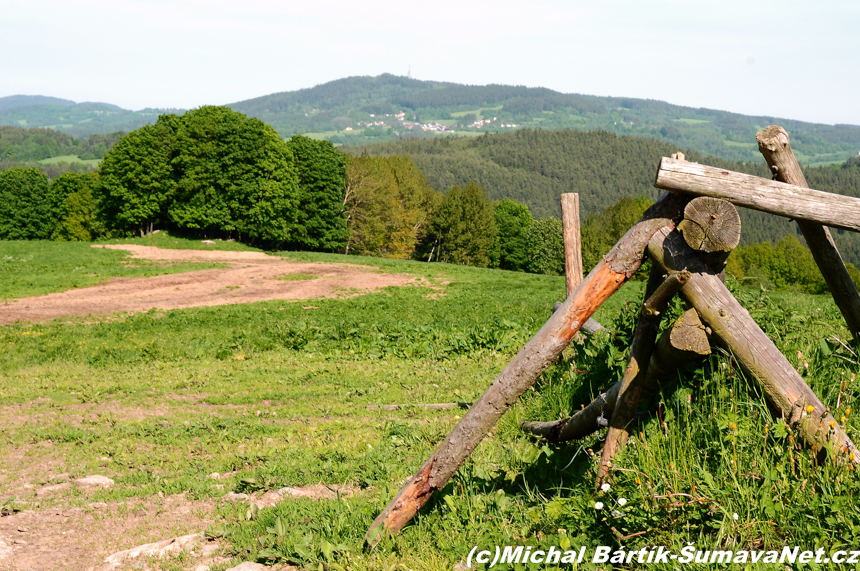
(275, 394)
(70, 159)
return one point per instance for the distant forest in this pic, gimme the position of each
(360, 110)
(534, 167)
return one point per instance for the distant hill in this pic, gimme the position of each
(536, 166)
(361, 110)
(25, 100)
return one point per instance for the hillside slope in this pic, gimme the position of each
(360, 110)
(535, 167)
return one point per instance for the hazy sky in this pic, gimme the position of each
(794, 59)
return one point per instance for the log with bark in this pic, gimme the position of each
(757, 193)
(735, 330)
(775, 146)
(607, 277)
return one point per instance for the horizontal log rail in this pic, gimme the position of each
(757, 193)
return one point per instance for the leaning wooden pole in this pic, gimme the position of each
(735, 330)
(605, 279)
(775, 146)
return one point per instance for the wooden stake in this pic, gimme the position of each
(776, 148)
(757, 193)
(684, 342)
(607, 277)
(734, 329)
(572, 241)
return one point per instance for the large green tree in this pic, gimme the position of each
(510, 249)
(387, 202)
(234, 175)
(463, 228)
(137, 181)
(76, 214)
(321, 224)
(29, 207)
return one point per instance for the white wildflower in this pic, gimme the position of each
(605, 488)
(622, 501)
(598, 505)
(735, 517)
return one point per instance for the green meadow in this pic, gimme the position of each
(276, 394)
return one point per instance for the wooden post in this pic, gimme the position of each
(774, 145)
(606, 278)
(733, 327)
(572, 240)
(684, 342)
(749, 191)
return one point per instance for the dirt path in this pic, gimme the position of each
(249, 277)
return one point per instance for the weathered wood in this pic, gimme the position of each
(753, 192)
(684, 342)
(607, 276)
(656, 302)
(590, 326)
(711, 225)
(774, 144)
(644, 338)
(572, 240)
(735, 330)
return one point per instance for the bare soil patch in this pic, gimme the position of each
(248, 277)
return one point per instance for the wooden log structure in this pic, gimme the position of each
(606, 278)
(774, 144)
(735, 330)
(683, 343)
(749, 191)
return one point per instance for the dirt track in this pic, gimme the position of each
(249, 277)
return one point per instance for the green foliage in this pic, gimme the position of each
(29, 206)
(137, 181)
(76, 217)
(602, 231)
(546, 247)
(388, 204)
(321, 224)
(786, 265)
(463, 227)
(232, 175)
(511, 247)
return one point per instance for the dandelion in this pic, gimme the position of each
(809, 409)
(622, 501)
(735, 517)
(832, 424)
(598, 506)
(638, 481)
(605, 487)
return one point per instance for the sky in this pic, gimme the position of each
(793, 59)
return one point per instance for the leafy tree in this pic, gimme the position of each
(77, 210)
(137, 179)
(786, 265)
(463, 228)
(233, 175)
(600, 232)
(546, 247)
(387, 203)
(28, 205)
(321, 223)
(510, 249)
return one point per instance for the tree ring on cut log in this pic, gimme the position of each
(711, 225)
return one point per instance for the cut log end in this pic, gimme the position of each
(711, 225)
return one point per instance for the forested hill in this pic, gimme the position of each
(536, 166)
(360, 110)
